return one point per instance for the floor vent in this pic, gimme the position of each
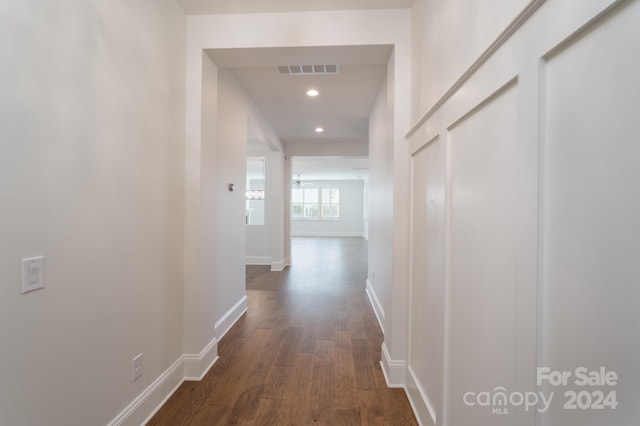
(308, 69)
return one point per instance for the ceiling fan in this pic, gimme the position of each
(298, 183)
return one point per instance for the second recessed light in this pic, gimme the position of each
(312, 92)
(319, 129)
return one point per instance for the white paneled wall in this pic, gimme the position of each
(524, 207)
(482, 253)
(590, 238)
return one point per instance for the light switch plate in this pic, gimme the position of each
(136, 367)
(32, 273)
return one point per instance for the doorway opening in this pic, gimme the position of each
(329, 202)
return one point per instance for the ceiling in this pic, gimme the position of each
(315, 168)
(330, 168)
(342, 107)
(345, 100)
(195, 7)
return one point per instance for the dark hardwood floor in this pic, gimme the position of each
(306, 352)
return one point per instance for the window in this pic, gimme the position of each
(331, 203)
(315, 203)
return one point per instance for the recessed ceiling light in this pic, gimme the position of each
(312, 92)
(319, 129)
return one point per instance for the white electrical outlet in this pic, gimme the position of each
(32, 273)
(136, 367)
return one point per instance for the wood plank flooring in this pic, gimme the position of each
(307, 352)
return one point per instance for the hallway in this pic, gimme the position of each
(306, 352)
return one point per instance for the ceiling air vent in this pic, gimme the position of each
(308, 69)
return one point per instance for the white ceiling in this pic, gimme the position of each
(194, 7)
(345, 100)
(330, 168)
(342, 108)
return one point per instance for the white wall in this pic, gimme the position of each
(229, 231)
(215, 245)
(235, 110)
(379, 276)
(365, 209)
(199, 248)
(448, 37)
(277, 208)
(524, 205)
(265, 243)
(351, 223)
(91, 177)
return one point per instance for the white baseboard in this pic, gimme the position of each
(152, 398)
(325, 234)
(420, 403)
(394, 370)
(287, 261)
(197, 365)
(228, 319)
(279, 265)
(375, 304)
(258, 260)
(187, 367)
(266, 261)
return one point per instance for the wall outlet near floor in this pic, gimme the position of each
(136, 367)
